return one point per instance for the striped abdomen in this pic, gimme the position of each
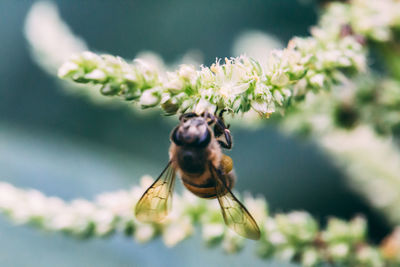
(204, 185)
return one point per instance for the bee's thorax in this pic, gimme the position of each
(195, 158)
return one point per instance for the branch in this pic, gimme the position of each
(289, 237)
(241, 84)
(51, 40)
(371, 161)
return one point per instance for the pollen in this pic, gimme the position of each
(226, 163)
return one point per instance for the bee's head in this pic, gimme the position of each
(192, 130)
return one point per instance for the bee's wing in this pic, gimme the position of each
(155, 203)
(235, 214)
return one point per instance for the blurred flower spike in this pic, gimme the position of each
(293, 236)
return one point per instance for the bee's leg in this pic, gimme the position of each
(222, 134)
(221, 117)
(228, 177)
(220, 113)
(228, 140)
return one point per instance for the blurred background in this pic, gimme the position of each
(69, 146)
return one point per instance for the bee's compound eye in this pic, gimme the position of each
(175, 137)
(204, 139)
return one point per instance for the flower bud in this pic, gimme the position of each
(339, 251)
(67, 69)
(96, 75)
(110, 89)
(213, 232)
(149, 98)
(170, 106)
(309, 257)
(280, 79)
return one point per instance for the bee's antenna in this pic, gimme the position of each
(187, 115)
(209, 117)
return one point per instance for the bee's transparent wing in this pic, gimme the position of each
(155, 203)
(235, 214)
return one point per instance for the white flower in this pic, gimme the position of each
(261, 89)
(229, 90)
(310, 257)
(206, 77)
(203, 105)
(273, 234)
(232, 78)
(119, 203)
(276, 238)
(150, 98)
(317, 79)
(67, 68)
(144, 232)
(212, 231)
(103, 220)
(63, 220)
(263, 107)
(257, 207)
(285, 253)
(96, 74)
(90, 56)
(148, 70)
(174, 83)
(339, 250)
(279, 78)
(232, 242)
(177, 231)
(189, 73)
(278, 97)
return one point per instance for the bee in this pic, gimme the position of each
(196, 154)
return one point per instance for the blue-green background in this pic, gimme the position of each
(68, 147)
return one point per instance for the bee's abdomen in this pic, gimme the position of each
(204, 186)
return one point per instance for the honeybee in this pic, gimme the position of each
(196, 154)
